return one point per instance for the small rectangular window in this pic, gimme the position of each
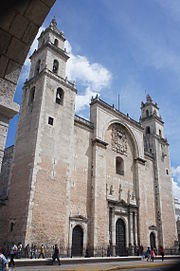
(31, 95)
(50, 121)
(167, 171)
(11, 226)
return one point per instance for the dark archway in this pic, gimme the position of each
(77, 241)
(152, 240)
(120, 238)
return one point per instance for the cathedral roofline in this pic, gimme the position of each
(83, 122)
(113, 109)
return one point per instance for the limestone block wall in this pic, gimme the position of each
(6, 167)
(80, 199)
(147, 207)
(50, 198)
(23, 163)
(81, 184)
(100, 214)
(166, 196)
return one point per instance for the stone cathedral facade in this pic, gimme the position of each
(85, 184)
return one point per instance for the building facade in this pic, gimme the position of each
(177, 215)
(85, 184)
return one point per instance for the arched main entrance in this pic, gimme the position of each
(152, 240)
(77, 241)
(120, 238)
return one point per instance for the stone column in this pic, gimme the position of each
(113, 233)
(136, 229)
(131, 235)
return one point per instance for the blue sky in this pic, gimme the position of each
(126, 47)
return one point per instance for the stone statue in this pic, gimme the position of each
(111, 192)
(120, 192)
(128, 196)
(133, 196)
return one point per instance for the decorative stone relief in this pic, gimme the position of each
(119, 140)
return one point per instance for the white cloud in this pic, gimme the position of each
(172, 8)
(176, 190)
(93, 76)
(176, 173)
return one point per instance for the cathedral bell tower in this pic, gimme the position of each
(50, 54)
(156, 146)
(152, 124)
(44, 141)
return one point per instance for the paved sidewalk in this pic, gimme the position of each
(90, 260)
(106, 266)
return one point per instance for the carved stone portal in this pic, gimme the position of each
(119, 140)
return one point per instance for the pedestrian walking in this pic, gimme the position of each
(141, 252)
(41, 252)
(26, 251)
(19, 250)
(33, 251)
(161, 250)
(3, 261)
(148, 254)
(56, 255)
(152, 255)
(13, 251)
(108, 251)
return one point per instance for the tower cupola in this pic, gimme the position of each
(149, 108)
(50, 53)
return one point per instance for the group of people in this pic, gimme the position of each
(16, 251)
(150, 254)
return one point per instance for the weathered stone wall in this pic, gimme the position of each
(5, 172)
(22, 167)
(81, 186)
(147, 208)
(166, 196)
(50, 200)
